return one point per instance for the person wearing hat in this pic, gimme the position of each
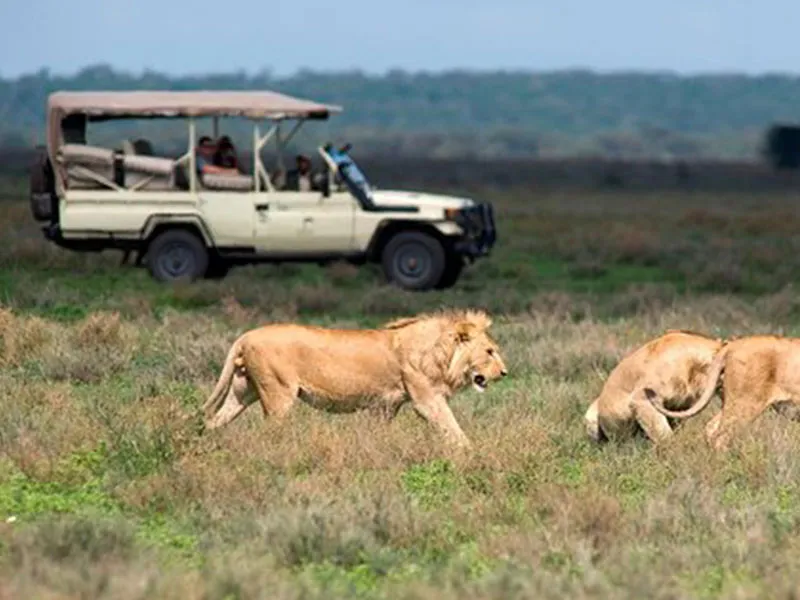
(300, 179)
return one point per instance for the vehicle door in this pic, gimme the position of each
(229, 216)
(329, 223)
(283, 224)
(305, 222)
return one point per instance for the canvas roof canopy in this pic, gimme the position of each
(251, 104)
(104, 105)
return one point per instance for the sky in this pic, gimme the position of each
(180, 37)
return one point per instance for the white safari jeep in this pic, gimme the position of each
(184, 224)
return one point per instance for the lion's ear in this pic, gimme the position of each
(465, 330)
(479, 320)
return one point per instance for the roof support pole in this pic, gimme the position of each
(279, 146)
(293, 131)
(256, 161)
(192, 157)
(258, 144)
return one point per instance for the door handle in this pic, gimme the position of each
(264, 206)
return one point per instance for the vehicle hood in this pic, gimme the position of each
(421, 199)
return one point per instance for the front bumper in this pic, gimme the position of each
(480, 234)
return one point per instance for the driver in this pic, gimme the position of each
(301, 177)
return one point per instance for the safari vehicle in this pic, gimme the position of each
(183, 224)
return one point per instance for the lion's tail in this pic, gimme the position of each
(223, 383)
(715, 372)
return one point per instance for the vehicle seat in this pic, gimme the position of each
(94, 158)
(138, 168)
(99, 160)
(224, 182)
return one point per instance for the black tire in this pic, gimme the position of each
(452, 271)
(41, 187)
(413, 260)
(177, 255)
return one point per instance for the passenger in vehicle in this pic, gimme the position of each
(143, 147)
(225, 154)
(301, 178)
(204, 158)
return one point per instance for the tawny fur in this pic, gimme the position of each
(756, 372)
(423, 359)
(673, 367)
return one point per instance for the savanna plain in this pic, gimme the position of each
(110, 489)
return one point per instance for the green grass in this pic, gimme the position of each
(108, 488)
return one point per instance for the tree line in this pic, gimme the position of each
(472, 114)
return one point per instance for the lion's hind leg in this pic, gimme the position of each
(653, 423)
(277, 398)
(739, 412)
(745, 401)
(591, 422)
(239, 397)
(713, 425)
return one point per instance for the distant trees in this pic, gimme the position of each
(460, 113)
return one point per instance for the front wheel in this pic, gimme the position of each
(452, 271)
(177, 255)
(414, 260)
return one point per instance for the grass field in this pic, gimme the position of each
(107, 489)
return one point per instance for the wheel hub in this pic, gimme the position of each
(413, 261)
(176, 260)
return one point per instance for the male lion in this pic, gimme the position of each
(673, 367)
(424, 359)
(756, 372)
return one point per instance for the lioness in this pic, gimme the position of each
(673, 367)
(756, 372)
(424, 359)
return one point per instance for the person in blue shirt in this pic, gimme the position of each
(204, 159)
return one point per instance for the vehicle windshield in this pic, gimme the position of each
(352, 176)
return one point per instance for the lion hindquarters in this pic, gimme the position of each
(229, 367)
(238, 397)
(233, 392)
(615, 415)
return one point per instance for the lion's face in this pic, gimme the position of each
(479, 355)
(485, 363)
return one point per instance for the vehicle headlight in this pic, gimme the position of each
(451, 213)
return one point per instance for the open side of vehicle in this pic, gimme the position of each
(183, 222)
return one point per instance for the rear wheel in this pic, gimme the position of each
(177, 255)
(414, 260)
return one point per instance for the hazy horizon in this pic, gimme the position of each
(682, 38)
(411, 71)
